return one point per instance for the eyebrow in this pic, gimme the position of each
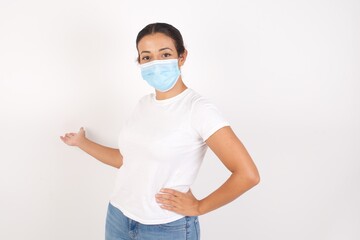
(161, 49)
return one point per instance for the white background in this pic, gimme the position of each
(284, 73)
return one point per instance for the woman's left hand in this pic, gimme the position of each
(182, 203)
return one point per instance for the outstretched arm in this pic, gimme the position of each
(244, 175)
(109, 156)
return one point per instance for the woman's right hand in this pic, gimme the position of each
(74, 139)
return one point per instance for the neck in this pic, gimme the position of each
(177, 89)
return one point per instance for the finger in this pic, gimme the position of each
(167, 202)
(168, 207)
(189, 193)
(171, 208)
(171, 191)
(166, 197)
(65, 139)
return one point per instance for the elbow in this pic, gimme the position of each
(252, 178)
(248, 179)
(117, 166)
(255, 179)
(117, 163)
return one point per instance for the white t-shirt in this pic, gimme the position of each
(163, 145)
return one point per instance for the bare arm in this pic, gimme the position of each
(244, 176)
(107, 155)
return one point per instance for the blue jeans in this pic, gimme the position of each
(120, 227)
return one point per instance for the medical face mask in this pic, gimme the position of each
(161, 74)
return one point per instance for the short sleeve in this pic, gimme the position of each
(206, 118)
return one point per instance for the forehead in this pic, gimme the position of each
(154, 42)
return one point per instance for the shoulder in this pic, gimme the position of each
(206, 118)
(145, 98)
(199, 101)
(204, 109)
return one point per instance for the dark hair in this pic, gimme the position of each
(166, 29)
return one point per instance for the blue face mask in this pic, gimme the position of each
(161, 74)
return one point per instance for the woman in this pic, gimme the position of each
(161, 148)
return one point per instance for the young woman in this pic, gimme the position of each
(161, 148)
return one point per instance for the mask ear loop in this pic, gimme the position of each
(179, 59)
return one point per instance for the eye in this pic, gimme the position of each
(145, 58)
(166, 55)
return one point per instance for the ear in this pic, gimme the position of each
(182, 58)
